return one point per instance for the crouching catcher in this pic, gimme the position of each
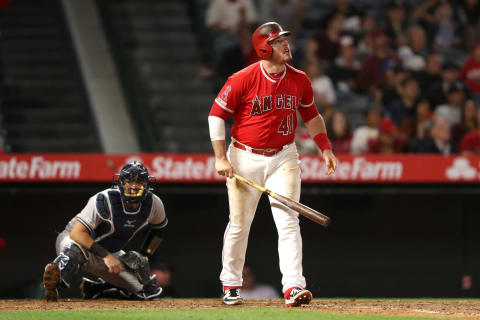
(93, 241)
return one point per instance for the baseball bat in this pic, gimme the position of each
(292, 204)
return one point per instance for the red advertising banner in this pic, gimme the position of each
(74, 167)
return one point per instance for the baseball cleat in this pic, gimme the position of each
(51, 279)
(91, 289)
(232, 296)
(297, 297)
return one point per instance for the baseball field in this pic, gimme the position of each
(213, 309)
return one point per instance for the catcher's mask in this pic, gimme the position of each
(133, 182)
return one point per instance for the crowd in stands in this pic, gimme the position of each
(400, 76)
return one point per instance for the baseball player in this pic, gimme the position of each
(263, 99)
(94, 238)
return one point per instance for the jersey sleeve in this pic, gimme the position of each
(158, 218)
(307, 108)
(228, 99)
(88, 216)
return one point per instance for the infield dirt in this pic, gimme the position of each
(444, 309)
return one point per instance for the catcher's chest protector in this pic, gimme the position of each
(119, 226)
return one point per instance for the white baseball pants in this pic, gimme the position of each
(281, 174)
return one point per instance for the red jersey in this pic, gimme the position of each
(263, 107)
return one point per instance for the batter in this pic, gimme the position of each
(264, 99)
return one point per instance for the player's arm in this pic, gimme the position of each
(317, 130)
(151, 242)
(81, 235)
(316, 127)
(157, 221)
(222, 165)
(222, 108)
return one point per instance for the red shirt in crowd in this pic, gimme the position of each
(264, 106)
(471, 142)
(470, 74)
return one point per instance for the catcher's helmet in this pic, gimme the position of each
(134, 171)
(264, 34)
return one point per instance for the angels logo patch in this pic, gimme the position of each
(225, 93)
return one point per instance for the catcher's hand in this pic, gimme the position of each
(114, 266)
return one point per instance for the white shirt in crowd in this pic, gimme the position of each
(360, 139)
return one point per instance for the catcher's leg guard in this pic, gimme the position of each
(51, 279)
(138, 265)
(62, 270)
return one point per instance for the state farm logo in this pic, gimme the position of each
(359, 168)
(461, 169)
(38, 167)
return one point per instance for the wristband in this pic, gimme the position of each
(98, 250)
(322, 142)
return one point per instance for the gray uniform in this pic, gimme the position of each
(113, 227)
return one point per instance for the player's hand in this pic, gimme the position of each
(330, 161)
(224, 168)
(114, 266)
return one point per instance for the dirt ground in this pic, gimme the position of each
(444, 309)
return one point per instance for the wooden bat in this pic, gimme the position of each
(292, 204)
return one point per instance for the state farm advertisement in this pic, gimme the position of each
(190, 168)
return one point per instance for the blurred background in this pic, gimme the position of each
(86, 85)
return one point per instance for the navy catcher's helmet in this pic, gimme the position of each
(134, 171)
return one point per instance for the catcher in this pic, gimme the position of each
(94, 238)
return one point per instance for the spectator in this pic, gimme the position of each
(437, 93)
(413, 54)
(424, 13)
(471, 141)
(340, 133)
(469, 16)
(362, 135)
(344, 71)
(423, 115)
(468, 123)
(439, 141)
(323, 90)
(324, 45)
(353, 16)
(470, 72)
(452, 110)
(163, 273)
(403, 108)
(391, 86)
(228, 20)
(432, 72)
(396, 26)
(287, 13)
(447, 32)
(375, 65)
(366, 40)
(253, 290)
(386, 140)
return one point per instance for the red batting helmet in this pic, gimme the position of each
(264, 34)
